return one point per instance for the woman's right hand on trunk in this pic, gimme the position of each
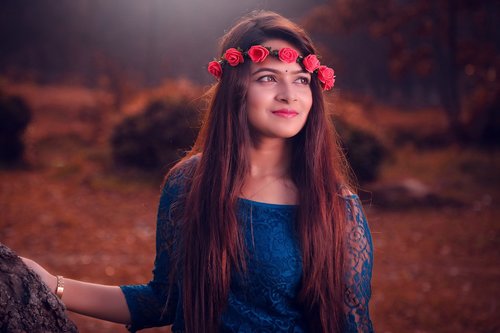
(47, 278)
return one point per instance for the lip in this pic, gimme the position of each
(285, 113)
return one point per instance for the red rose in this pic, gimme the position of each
(288, 55)
(258, 53)
(215, 69)
(327, 77)
(328, 84)
(233, 56)
(311, 63)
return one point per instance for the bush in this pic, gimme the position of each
(156, 137)
(15, 115)
(482, 122)
(364, 151)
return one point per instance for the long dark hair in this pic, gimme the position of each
(213, 245)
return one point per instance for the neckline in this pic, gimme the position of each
(266, 204)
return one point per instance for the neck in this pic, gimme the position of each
(270, 157)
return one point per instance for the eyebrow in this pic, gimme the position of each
(272, 70)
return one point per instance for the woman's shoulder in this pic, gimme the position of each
(355, 211)
(347, 193)
(186, 165)
(182, 172)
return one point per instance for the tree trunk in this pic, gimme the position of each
(26, 304)
(445, 47)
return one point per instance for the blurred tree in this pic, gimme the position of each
(112, 77)
(454, 42)
(15, 115)
(364, 151)
(157, 137)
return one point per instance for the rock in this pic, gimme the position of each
(26, 304)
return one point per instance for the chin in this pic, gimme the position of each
(278, 133)
(286, 135)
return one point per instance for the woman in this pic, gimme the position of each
(257, 228)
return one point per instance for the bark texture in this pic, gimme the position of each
(26, 304)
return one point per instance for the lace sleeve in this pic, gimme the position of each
(154, 304)
(359, 261)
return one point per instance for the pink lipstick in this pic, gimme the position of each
(285, 113)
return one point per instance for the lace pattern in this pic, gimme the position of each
(263, 298)
(359, 262)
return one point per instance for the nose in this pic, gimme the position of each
(286, 93)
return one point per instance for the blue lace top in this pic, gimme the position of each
(263, 298)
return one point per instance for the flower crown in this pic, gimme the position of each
(258, 53)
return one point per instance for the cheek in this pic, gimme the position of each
(258, 100)
(251, 98)
(254, 106)
(307, 101)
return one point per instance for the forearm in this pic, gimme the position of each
(95, 300)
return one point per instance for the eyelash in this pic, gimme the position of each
(261, 79)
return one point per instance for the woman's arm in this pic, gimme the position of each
(95, 300)
(359, 264)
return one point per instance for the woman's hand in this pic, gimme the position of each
(47, 278)
(94, 300)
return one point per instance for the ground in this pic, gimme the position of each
(73, 211)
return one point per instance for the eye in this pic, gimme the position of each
(303, 80)
(267, 78)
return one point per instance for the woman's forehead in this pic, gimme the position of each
(277, 65)
(277, 44)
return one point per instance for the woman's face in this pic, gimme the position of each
(279, 96)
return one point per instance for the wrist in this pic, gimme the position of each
(59, 289)
(52, 283)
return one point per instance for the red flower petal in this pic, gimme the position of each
(258, 53)
(288, 55)
(215, 69)
(233, 57)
